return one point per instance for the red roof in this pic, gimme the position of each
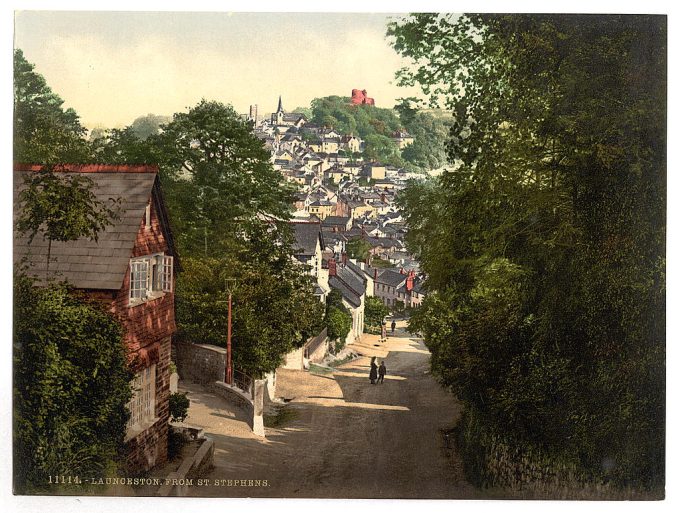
(91, 168)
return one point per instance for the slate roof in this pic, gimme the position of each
(350, 285)
(391, 278)
(306, 235)
(98, 264)
(336, 220)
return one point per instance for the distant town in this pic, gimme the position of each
(345, 204)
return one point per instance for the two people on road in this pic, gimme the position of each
(377, 373)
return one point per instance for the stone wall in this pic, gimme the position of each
(316, 348)
(200, 363)
(293, 360)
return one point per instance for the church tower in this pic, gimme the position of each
(277, 117)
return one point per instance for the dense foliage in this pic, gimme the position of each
(545, 247)
(358, 249)
(272, 313)
(179, 406)
(338, 319)
(71, 386)
(374, 311)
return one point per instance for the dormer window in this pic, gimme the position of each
(150, 277)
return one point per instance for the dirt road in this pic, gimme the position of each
(343, 437)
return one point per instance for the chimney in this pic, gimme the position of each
(409, 281)
(344, 258)
(382, 198)
(375, 274)
(332, 270)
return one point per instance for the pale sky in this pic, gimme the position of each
(112, 67)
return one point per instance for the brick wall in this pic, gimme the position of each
(152, 320)
(148, 328)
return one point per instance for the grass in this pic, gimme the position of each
(279, 417)
(346, 359)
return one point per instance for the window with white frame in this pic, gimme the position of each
(142, 406)
(150, 277)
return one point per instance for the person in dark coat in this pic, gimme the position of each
(381, 372)
(394, 325)
(373, 374)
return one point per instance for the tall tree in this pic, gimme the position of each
(44, 132)
(545, 246)
(217, 174)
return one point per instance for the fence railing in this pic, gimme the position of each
(243, 382)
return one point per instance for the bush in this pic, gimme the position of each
(176, 440)
(71, 386)
(179, 407)
(375, 311)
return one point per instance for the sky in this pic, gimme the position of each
(112, 67)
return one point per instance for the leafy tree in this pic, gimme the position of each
(146, 126)
(71, 386)
(228, 208)
(216, 174)
(374, 311)
(124, 146)
(381, 148)
(272, 313)
(544, 248)
(43, 131)
(358, 249)
(63, 207)
(428, 150)
(338, 318)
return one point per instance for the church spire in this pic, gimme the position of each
(280, 108)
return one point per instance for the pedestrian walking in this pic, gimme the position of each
(382, 370)
(373, 374)
(394, 325)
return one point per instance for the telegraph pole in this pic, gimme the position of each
(228, 377)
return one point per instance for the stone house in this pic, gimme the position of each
(131, 270)
(321, 208)
(387, 283)
(308, 247)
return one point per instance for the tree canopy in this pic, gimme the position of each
(545, 246)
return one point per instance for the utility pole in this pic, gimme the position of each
(229, 368)
(228, 377)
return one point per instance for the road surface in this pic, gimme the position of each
(342, 437)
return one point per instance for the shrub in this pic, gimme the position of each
(179, 407)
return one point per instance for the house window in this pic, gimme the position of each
(150, 277)
(142, 406)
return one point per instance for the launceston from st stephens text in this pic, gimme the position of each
(155, 481)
